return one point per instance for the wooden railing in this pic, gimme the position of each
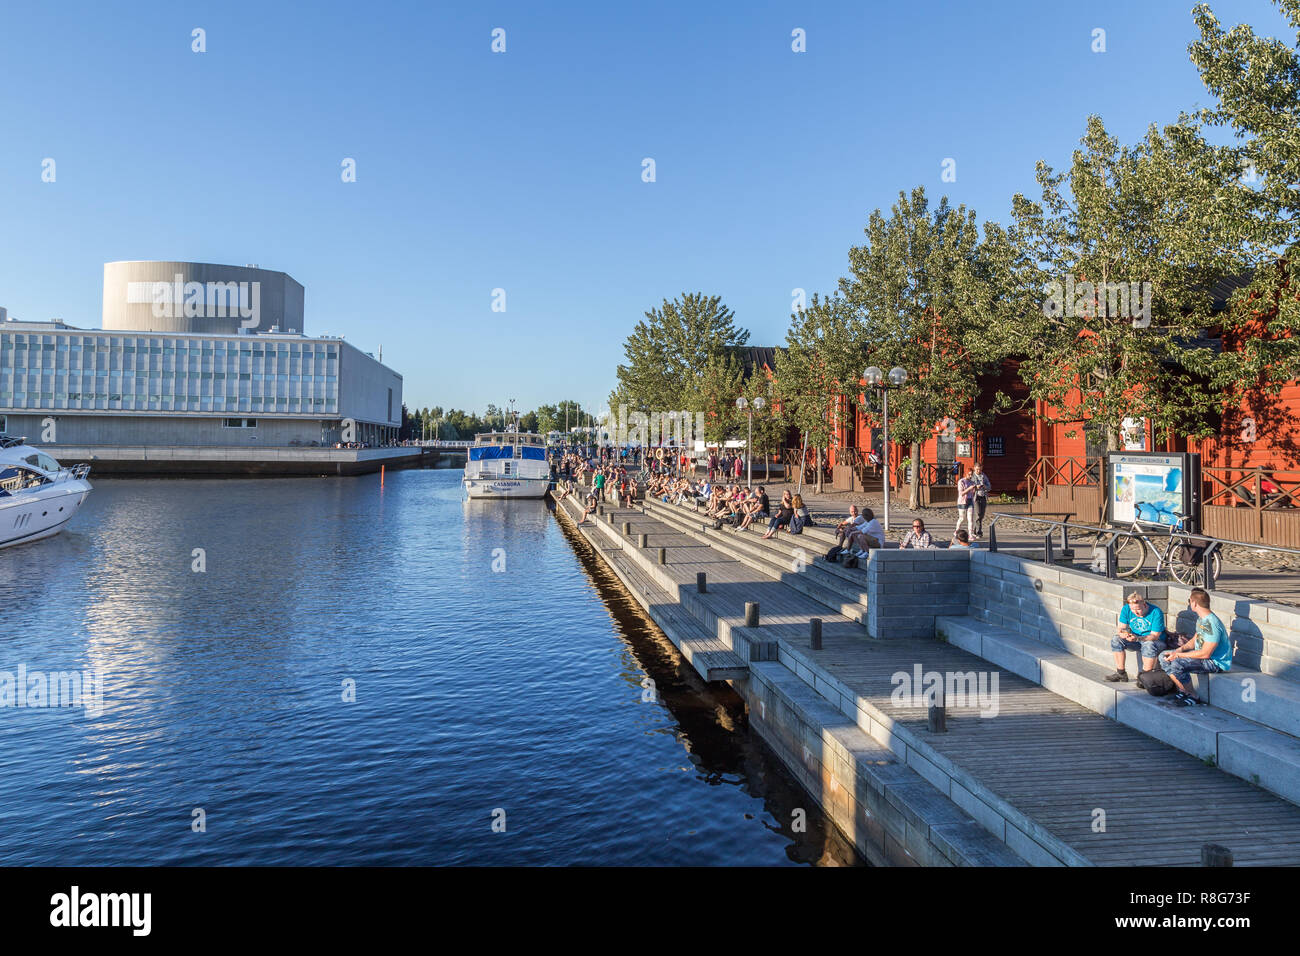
(1252, 504)
(1066, 484)
(1257, 505)
(1070, 470)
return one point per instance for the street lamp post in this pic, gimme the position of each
(877, 379)
(748, 408)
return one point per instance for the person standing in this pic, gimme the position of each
(966, 503)
(982, 489)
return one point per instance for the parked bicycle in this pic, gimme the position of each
(1175, 550)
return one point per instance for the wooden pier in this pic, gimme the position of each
(1045, 780)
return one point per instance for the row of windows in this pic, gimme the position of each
(34, 343)
(35, 375)
(177, 403)
(18, 359)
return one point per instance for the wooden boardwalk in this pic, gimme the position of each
(1105, 790)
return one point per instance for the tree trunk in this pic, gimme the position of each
(819, 469)
(914, 486)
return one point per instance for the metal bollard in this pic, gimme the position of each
(1047, 548)
(641, 539)
(751, 614)
(993, 539)
(937, 718)
(627, 529)
(1214, 855)
(1110, 558)
(815, 633)
(663, 555)
(701, 582)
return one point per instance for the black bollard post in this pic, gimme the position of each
(1207, 561)
(627, 529)
(1214, 855)
(641, 540)
(815, 632)
(993, 539)
(1047, 548)
(1110, 558)
(663, 555)
(701, 582)
(937, 717)
(751, 614)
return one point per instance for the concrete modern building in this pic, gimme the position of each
(192, 354)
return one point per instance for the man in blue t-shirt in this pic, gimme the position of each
(1208, 652)
(1141, 627)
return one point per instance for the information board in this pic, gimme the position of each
(1152, 487)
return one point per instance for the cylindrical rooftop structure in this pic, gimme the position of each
(199, 298)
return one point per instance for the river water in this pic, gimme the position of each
(324, 671)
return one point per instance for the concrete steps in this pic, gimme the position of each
(712, 658)
(813, 581)
(1249, 729)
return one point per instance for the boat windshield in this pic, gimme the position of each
(42, 461)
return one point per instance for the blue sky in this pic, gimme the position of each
(522, 170)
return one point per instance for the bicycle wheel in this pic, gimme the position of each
(1193, 575)
(1130, 555)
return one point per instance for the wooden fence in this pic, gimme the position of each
(1253, 505)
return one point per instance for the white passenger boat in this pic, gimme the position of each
(37, 495)
(510, 464)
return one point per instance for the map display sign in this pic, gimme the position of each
(1152, 487)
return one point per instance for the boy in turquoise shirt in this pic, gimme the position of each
(1141, 628)
(1209, 652)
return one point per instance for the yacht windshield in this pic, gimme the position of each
(42, 461)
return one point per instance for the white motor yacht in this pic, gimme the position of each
(37, 494)
(509, 464)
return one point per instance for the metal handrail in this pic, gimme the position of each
(1131, 533)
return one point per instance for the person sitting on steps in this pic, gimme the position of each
(1141, 628)
(1209, 651)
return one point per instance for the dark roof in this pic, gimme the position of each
(756, 356)
(1222, 290)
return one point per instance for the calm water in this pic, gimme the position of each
(477, 690)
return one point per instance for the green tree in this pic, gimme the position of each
(924, 294)
(714, 393)
(668, 352)
(1256, 84)
(819, 366)
(1125, 245)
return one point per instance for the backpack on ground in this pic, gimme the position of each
(834, 553)
(1156, 682)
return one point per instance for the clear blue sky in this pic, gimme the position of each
(522, 170)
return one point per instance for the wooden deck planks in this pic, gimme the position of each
(1049, 757)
